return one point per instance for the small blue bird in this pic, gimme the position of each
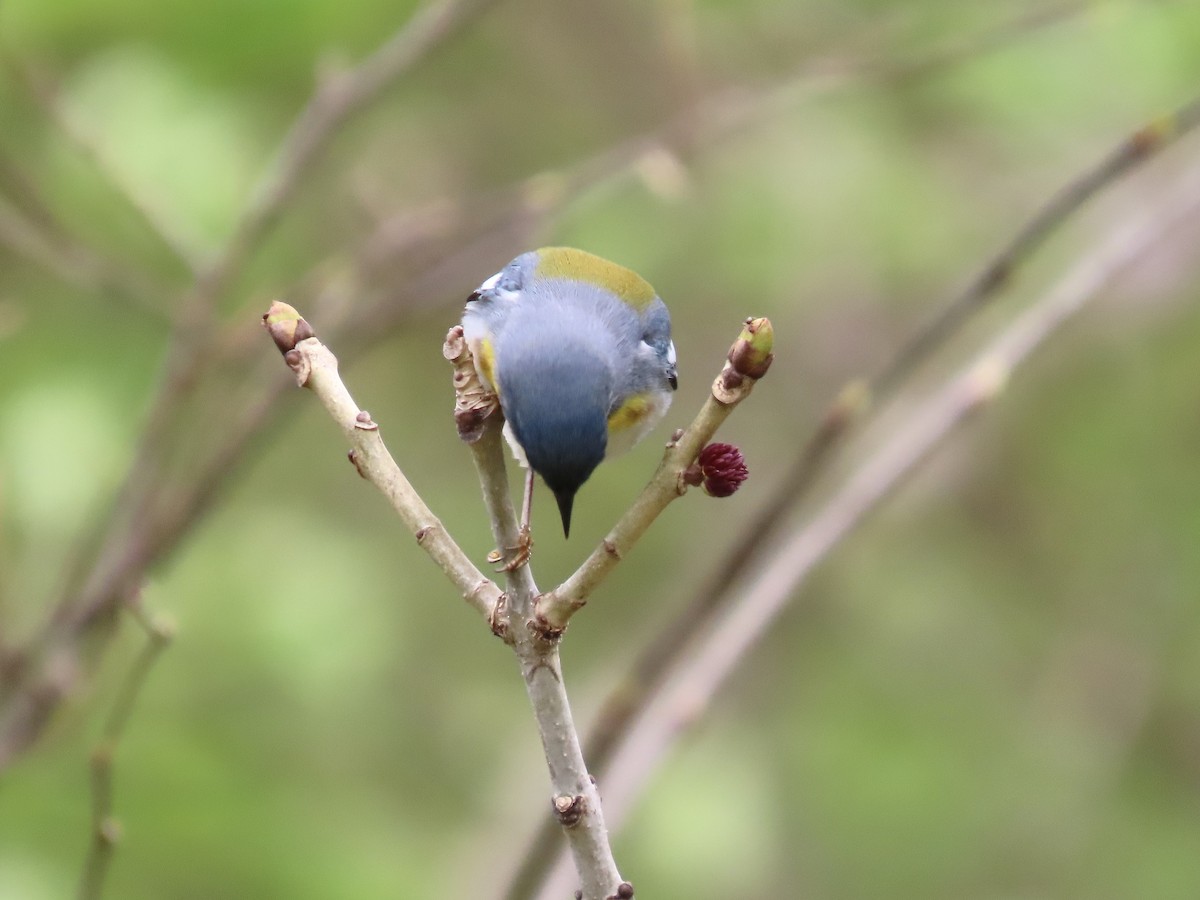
(579, 351)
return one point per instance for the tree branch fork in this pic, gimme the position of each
(529, 621)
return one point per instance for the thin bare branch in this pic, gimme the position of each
(316, 368)
(106, 570)
(749, 358)
(726, 639)
(334, 102)
(106, 830)
(133, 532)
(148, 208)
(1133, 150)
(479, 423)
(575, 801)
(627, 699)
(77, 265)
(331, 105)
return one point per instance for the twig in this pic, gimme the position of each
(726, 639)
(128, 533)
(995, 275)
(162, 518)
(335, 100)
(80, 266)
(748, 361)
(106, 830)
(479, 425)
(148, 210)
(128, 538)
(626, 701)
(575, 802)
(533, 629)
(701, 124)
(316, 368)
(331, 105)
(24, 194)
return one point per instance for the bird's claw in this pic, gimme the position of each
(517, 556)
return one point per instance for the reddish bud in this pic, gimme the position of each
(720, 469)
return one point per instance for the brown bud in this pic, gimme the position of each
(363, 421)
(751, 354)
(569, 809)
(286, 326)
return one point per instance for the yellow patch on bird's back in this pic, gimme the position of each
(629, 413)
(578, 265)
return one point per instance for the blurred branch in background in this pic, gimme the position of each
(149, 209)
(177, 470)
(337, 98)
(739, 619)
(147, 517)
(42, 243)
(363, 290)
(626, 703)
(106, 829)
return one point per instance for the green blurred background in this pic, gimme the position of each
(991, 691)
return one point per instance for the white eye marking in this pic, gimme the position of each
(671, 353)
(491, 282)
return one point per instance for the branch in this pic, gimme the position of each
(527, 627)
(86, 144)
(575, 801)
(130, 537)
(476, 413)
(726, 639)
(724, 112)
(106, 830)
(126, 542)
(78, 265)
(335, 101)
(316, 368)
(332, 104)
(628, 699)
(748, 360)
(998, 273)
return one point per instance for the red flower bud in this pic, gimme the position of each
(720, 469)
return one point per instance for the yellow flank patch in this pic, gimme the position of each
(629, 413)
(578, 265)
(486, 363)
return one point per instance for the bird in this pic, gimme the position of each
(578, 350)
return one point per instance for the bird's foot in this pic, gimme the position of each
(517, 556)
